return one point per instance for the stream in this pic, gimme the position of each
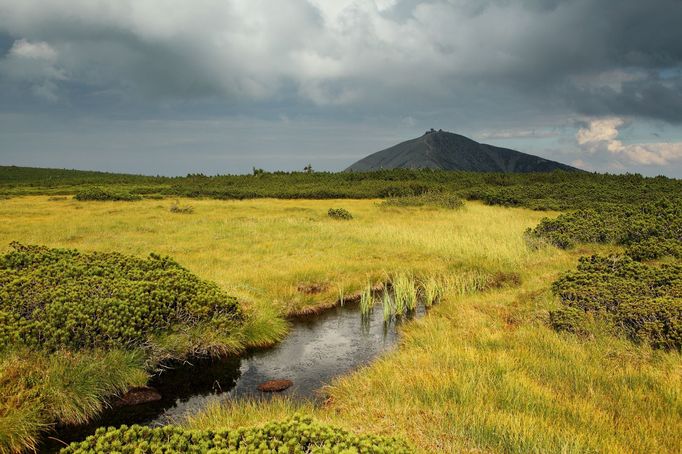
(317, 349)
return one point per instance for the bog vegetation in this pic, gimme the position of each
(298, 434)
(543, 191)
(60, 298)
(564, 339)
(642, 301)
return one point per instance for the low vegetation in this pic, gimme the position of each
(648, 231)
(181, 209)
(339, 213)
(643, 302)
(61, 298)
(77, 328)
(427, 199)
(505, 361)
(298, 434)
(540, 191)
(105, 194)
(620, 293)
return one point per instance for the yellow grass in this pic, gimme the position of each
(480, 373)
(484, 373)
(262, 250)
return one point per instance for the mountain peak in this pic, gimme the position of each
(438, 149)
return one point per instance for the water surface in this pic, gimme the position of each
(317, 349)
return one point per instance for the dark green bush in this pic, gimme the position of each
(657, 320)
(105, 194)
(54, 298)
(555, 190)
(569, 319)
(339, 213)
(428, 199)
(296, 435)
(649, 231)
(643, 301)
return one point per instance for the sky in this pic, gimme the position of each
(172, 87)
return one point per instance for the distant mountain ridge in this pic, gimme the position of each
(448, 151)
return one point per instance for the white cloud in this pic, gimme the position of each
(38, 51)
(600, 130)
(518, 133)
(34, 63)
(601, 136)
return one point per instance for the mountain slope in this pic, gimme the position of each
(448, 151)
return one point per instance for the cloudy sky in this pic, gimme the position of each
(218, 86)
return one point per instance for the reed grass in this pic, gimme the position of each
(432, 289)
(387, 305)
(366, 300)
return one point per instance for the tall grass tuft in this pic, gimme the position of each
(432, 290)
(342, 293)
(405, 293)
(366, 300)
(468, 282)
(387, 305)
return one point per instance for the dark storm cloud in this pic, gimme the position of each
(648, 97)
(474, 64)
(339, 53)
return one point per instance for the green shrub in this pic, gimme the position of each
(649, 231)
(339, 213)
(428, 199)
(53, 298)
(296, 435)
(656, 320)
(569, 319)
(105, 194)
(644, 302)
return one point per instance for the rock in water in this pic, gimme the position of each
(137, 396)
(275, 386)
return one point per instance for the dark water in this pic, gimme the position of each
(317, 349)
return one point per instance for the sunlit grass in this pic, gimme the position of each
(481, 372)
(262, 250)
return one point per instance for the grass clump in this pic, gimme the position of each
(366, 300)
(432, 290)
(643, 302)
(105, 194)
(404, 292)
(181, 209)
(39, 388)
(339, 213)
(298, 434)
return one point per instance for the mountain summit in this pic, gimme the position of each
(448, 151)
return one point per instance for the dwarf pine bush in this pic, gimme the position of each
(105, 194)
(298, 434)
(339, 213)
(54, 298)
(644, 302)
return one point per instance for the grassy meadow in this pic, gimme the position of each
(482, 372)
(266, 251)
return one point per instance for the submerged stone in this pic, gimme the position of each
(137, 396)
(272, 386)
